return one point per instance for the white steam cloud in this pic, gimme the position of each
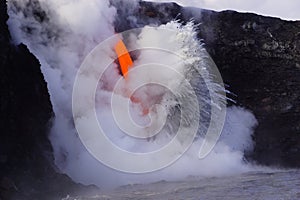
(69, 31)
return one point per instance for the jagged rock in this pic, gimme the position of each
(26, 161)
(258, 57)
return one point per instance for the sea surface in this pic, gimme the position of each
(276, 185)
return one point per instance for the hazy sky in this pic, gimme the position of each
(285, 9)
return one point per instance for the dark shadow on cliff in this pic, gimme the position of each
(259, 59)
(26, 160)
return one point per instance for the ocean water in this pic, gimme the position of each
(276, 185)
(62, 43)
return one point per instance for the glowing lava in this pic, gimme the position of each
(124, 57)
(125, 62)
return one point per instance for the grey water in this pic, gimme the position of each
(275, 185)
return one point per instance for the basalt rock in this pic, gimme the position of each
(259, 59)
(26, 161)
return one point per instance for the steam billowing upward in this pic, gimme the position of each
(61, 33)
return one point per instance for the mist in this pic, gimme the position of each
(69, 31)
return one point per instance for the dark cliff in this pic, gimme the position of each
(26, 161)
(259, 59)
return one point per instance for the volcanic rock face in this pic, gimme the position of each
(25, 111)
(259, 59)
(26, 160)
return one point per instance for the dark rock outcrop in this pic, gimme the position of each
(26, 161)
(258, 57)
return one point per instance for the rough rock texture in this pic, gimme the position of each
(258, 57)
(26, 161)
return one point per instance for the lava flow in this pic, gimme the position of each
(125, 62)
(124, 57)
